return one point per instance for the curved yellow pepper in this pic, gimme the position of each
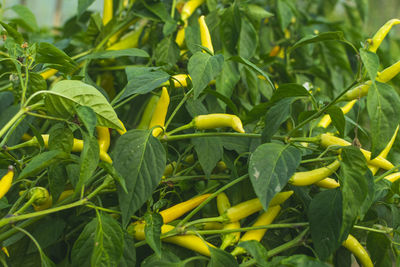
(160, 112)
(205, 34)
(6, 181)
(355, 247)
(313, 176)
(376, 41)
(218, 120)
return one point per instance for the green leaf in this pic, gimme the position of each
(58, 177)
(223, 99)
(276, 115)
(142, 80)
(302, 260)
(209, 151)
(152, 231)
(338, 119)
(13, 33)
(47, 232)
(378, 246)
(128, 258)
(322, 37)
(108, 242)
(140, 159)
(168, 259)
(289, 90)
(65, 95)
(83, 5)
(248, 39)
(83, 246)
(203, 68)
(284, 13)
(257, 12)
(167, 52)
(42, 161)
(88, 118)
(257, 251)
(270, 168)
(383, 106)
(230, 27)
(227, 80)
(26, 16)
(130, 52)
(221, 258)
(89, 160)
(354, 186)
(54, 58)
(61, 138)
(325, 217)
(36, 82)
(371, 63)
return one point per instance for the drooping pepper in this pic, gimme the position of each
(328, 183)
(189, 7)
(205, 34)
(6, 181)
(330, 140)
(352, 244)
(231, 238)
(131, 39)
(48, 73)
(326, 119)
(123, 131)
(218, 120)
(313, 176)
(160, 112)
(264, 219)
(179, 80)
(103, 138)
(107, 11)
(376, 41)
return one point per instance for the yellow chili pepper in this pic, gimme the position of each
(49, 201)
(6, 181)
(191, 242)
(330, 140)
(179, 80)
(189, 7)
(355, 247)
(107, 11)
(326, 119)
(180, 35)
(251, 206)
(5, 250)
(393, 177)
(274, 52)
(178, 210)
(103, 138)
(218, 120)
(160, 112)
(48, 73)
(311, 177)
(123, 131)
(376, 41)
(264, 219)
(231, 238)
(327, 183)
(130, 40)
(43, 199)
(205, 34)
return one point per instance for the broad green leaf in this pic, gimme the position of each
(42, 161)
(47, 232)
(83, 246)
(338, 119)
(354, 186)
(270, 168)
(250, 80)
(209, 151)
(257, 251)
(109, 168)
(276, 115)
(325, 217)
(257, 12)
(285, 13)
(88, 118)
(168, 259)
(383, 106)
(54, 58)
(230, 27)
(227, 79)
(83, 5)
(223, 99)
(142, 80)
(6, 99)
(322, 37)
(140, 159)
(289, 90)
(152, 230)
(26, 16)
(108, 241)
(203, 68)
(36, 82)
(128, 258)
(167, 52)
(57, 175)
(342, 257)
(12, 32)
(67, 94)
(61, 138)
(238, 144)
(88, 161)
(248, 39)
(371, 62)
(130, 52)
(378, 246)
(221, 258)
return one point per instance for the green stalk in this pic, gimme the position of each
(210, 134)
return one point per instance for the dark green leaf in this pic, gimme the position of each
(221, 258)
(152, 230)
(302, 260)
(83, 5)
(276, 115)
(257, 251)
(61, 138)
(140, 159)
(167, 52)
(371, 63)
(226, 81)
(47, 233)
(203, 68)
(12, 32)
(88, 117)
(289, 90)
(89, 160)
(285, 14)
(129, 255)
(83, 246)
(57, 178)
(209, 151)
(54, 58)
(230, 27)
(325, 217)
(248, 39)
(322, 37)
(378, 246)
(337, 117)
(270, 168)
(168, 259)
(130, 52)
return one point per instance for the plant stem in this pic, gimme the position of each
(125, 100)
(194, 135)
(12, 121)
(193, 177)
(185, 97)
(181, 128)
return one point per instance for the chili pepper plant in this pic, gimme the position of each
(200, 133)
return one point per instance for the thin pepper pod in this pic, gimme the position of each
(352, 244)
(189, 7)
(6, 181)
(179, 80)
(180, 35)
(205, 34)
(48, 73)
(103, 138)
(178, 210)
(328, 183)
(313, 176)
(393, 177)
(130, 40)
(218, 120)
(251, 206)
(265, 218)
(123, 131)
(191, 242)
(376, 41)
(160, 112)
(326, 119)
(107, 11)
(330, 140)
(231, 238)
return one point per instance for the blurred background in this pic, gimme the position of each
(55, 12)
